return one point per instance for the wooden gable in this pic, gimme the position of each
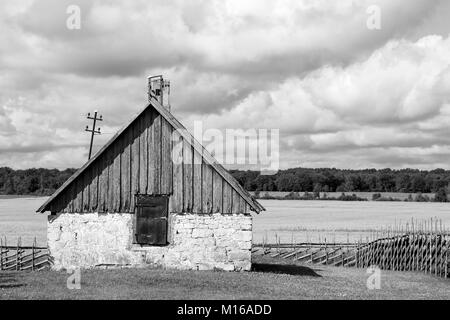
(138, 160)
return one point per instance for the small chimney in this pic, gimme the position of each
(159, 89)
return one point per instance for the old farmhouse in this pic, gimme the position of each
(151, 196)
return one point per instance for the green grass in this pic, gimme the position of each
(272, 280)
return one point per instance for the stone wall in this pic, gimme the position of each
(196, 242)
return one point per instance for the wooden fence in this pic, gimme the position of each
(420, 247)
(18, 257)
(410, 252)
(336, 254)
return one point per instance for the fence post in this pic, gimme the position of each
(32, 254)
(403, 253)
(412, 262)
(1, 254)
(356, 255)
(391, 254)
(431, 253)
(420, 254)
(436, 248)
(394, 253)
(385, 253)
(372, 251)
(446, 259)
(425, 253)
(17, 254)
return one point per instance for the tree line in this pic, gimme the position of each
(343, 180)
(46, 181)
(39, 182)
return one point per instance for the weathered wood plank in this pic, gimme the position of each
(115, 200)
(151, 145)
(166, 158)
(72, 196)
(62, 202)
(66, 201)
(155, 154)
(197, 183)
(109, 205)
(207, 188)
(125, 171)
(144, 123)
(217, 193)
(242, 205)
(103, 183)
(236, 202)
(93, 187)
(56, 204)
(177, 154)
(69, 199)
(78, 202)
(134, 165)
(188, 173)
(227, 196)
(85, 180)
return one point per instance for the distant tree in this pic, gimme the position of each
(286, 183)
(403, 183)
(265, 183)
(421, 198)
(32, 184)
(418, 183)
(46, 181)
(376, 196)
(317, 189)
(387, 181)
(441, 195)
(9, 186)
(32, 181)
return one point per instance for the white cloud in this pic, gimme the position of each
(385, 102)
(310, 68)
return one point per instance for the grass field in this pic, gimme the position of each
(271, 279)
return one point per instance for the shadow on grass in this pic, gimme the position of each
(290, 269)
(8, 281)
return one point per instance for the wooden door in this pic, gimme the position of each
(151, 219)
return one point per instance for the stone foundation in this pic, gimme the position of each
(196, 242)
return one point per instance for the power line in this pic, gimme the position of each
(93, 131)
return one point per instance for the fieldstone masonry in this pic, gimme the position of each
(196, 242)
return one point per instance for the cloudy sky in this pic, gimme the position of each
(341, 94)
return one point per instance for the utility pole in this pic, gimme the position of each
(94, 130)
